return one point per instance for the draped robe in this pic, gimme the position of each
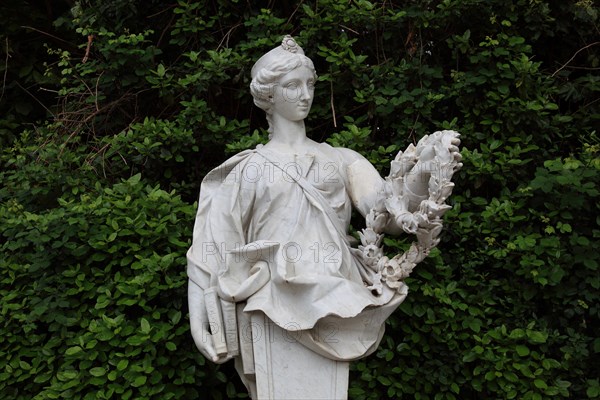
(265, 238)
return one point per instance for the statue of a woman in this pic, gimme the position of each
(274, 282)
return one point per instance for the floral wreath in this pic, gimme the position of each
(425, 223)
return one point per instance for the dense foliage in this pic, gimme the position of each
(112, 112)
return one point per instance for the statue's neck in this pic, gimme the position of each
(288, 133)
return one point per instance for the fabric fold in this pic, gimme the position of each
(262, 237)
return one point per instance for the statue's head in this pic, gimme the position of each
(271, 67)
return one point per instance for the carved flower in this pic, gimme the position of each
(398, 285)
(376, 288)
(403, 162)
(445, 191)
(380, 222)
(379, 205)
(372, 251)
(408, 222)
(433, 210)
(368, 236)
(391, 271)
(415, 254)
(421, 218)
(402, 289)
(407, 269)
(397, 268)
(425, 237)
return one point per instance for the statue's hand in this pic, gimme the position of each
(450, 140)
(436, 150)
(438, 155)
(199, 325)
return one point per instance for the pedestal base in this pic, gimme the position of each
(287, 370)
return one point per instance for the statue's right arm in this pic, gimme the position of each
(199, 324)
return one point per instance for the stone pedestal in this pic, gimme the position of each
(287, 370)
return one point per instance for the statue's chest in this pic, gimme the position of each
(276, 181)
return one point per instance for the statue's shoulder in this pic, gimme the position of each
(230, 166)
(241, 156)
(343, 155)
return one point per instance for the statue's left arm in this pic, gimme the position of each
(365, 185)
(411, 199)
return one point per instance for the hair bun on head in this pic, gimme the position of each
(289, 44)
(288, 48)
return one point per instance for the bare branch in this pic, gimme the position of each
(35, 98)
(5, 70)
(333, 106)
(87, 48)
(574, 55)
(48, 34)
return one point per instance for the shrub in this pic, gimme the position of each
(98, 188)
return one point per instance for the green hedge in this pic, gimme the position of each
(112, 113)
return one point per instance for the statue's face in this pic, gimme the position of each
(293, 94)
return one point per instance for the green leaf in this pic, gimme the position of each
(176, 317)
(24, 365)
(517, 334)
(593, 392)
(139, 381)
(475, 325)
(522, 351)
(135, 179)
(145, 326)
(171, 346)
(73, 350)
(537, 336)
(135, 340)
(455, 388)
(495, 144)
(122, 364)
(384, 381)
(97, 371)
(540, 384)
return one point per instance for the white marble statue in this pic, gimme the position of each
(273, 280)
